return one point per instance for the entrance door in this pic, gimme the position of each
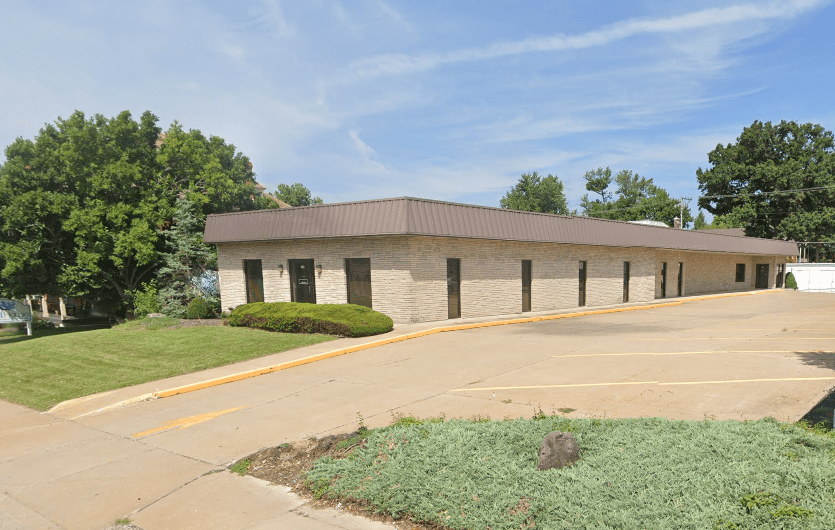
(582, 275)
(254, 281)
(358, 273)
(526, 285)
(762, 276)
(453, 287)
(779, 281)
(302, 281)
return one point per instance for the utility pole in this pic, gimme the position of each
(681, 209)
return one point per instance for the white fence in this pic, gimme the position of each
(815, 277)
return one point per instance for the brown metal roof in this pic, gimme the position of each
(409, 216)
(726, 231)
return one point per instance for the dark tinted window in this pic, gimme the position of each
(740, 272)
(254, 281)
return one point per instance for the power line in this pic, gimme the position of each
(762, 193)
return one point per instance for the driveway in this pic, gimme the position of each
(740, 357)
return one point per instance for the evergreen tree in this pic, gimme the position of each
(189, 265)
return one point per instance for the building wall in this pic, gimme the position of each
(390, 275)
(711, 272)
(409, 284)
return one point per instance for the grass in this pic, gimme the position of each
(633, 473)
(56, 365)
(241, 468)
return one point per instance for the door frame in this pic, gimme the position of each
(765, 270)
(292, 266)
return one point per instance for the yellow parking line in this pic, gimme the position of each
(182, 423)
(750, 381)
(765, 329)
(555, 386)
(681, 353)
(742, 338)
(534, 387)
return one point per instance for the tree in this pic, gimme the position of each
(537, 194)
(189, 266)
(719, 221)
(777, 180)
(296, 195)
(637, 198)
(700, 223)
(84, 206)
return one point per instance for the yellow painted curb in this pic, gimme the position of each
(360, 347)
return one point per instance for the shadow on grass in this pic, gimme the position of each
(11, 337)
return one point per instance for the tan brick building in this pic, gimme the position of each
(418, 260)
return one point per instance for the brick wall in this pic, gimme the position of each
(711, 272)
(408, 273)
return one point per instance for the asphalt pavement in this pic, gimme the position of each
(160, 461)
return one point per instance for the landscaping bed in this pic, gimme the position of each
(346, 320)
(650, 472)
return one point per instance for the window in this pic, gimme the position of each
(740, 272)
(358, 276)
(582, 277)
(526, 285)
(664, 280)
(680, 278)
(453, 286)
(625, 281)
(254, 281)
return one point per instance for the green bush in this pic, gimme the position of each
(791, 283)
(331, 319)
(145, 301)
(198, 308)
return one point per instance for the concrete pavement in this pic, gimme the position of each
(84, 464)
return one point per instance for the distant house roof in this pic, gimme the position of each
(726, 231)
(650, 222)
(421, 217)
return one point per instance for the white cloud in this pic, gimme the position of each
(396, 64)
(365, 150)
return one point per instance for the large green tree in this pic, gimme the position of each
(778, 181)
(636, 198)
(537, 194)
(85, 204)
(296, 195)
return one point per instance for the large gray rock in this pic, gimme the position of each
(558, 449)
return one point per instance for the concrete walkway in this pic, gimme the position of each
(161, 462)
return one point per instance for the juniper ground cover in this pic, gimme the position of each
(633, 473)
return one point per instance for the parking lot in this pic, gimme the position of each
(739, 357)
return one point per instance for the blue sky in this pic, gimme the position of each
(448, 100)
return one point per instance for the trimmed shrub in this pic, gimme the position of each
(331, 319)
(791, 283)
(198, 308)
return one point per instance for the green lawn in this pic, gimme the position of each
(56, 365)
(646, 473)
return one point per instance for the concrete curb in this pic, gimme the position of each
(240, 376)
